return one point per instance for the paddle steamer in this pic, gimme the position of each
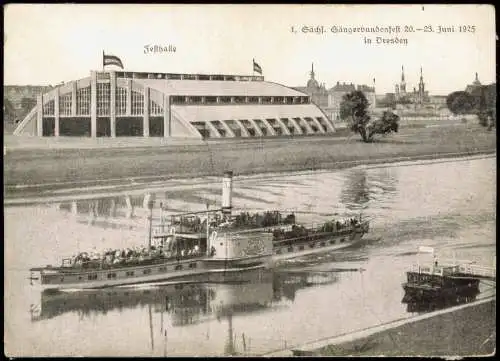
(201, 243)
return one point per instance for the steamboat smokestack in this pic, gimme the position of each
(227, 189)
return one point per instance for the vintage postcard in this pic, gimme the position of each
(249, 180)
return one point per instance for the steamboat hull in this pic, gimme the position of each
(428, 293)
(327, 244)
(92, 279)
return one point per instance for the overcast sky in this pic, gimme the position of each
(48, 44)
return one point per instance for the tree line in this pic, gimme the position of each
(481, 101)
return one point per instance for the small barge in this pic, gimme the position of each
(196, 243)
(439, 282)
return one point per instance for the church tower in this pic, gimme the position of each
(421, 88)
(312, 83)
(402, 87)
(476, 81)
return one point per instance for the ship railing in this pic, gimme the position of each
(96, 265)
(238, 230)
(476, 270)
(318, 232)
(464, 267)
(449, 270)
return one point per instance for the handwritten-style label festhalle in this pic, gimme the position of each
(384, 35)
(159, 49)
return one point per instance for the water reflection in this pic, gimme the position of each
(189, 301)
(352, 191)
(363, 185)
(118, 206)
(422, 306)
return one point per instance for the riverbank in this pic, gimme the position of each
(61, 168)
(469, 331)
(465, 330)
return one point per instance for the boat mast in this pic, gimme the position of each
(208, 229)
(148, 203)
(151, 329)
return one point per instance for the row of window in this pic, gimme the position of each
(182, 99)
(130, 75)
(147, 271)
(83, 102)
(311, 245)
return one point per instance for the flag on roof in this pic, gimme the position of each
(111, 60)
(256, 67)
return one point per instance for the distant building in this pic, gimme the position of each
(476, 84)
(336, 93)
(419, 97)
(20, 97)
(329, 100)
(317, 92)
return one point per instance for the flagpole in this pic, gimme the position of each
(253, 67)
(103, 61)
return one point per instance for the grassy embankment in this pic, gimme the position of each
(101, 164)
(466, 332)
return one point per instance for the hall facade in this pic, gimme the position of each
(144, 104)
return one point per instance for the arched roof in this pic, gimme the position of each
(216, 87)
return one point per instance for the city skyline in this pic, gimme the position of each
(225, 38)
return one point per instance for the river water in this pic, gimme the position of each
(448, 205)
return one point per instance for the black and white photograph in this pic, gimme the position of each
(187, 180)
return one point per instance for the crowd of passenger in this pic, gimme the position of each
(134, 255)
(340, 225)
(243, 220)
